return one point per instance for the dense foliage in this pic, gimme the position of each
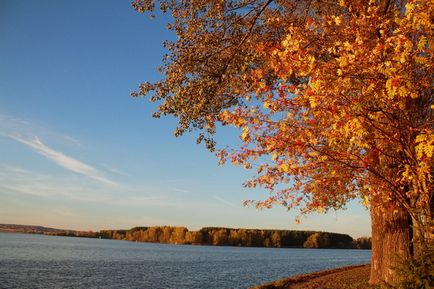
(230, 237)
(363, 243)
(416, 272)
(332, 98)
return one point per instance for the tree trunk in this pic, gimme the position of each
(391, 236)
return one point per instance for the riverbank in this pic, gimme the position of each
(216, 236)
(351, 277)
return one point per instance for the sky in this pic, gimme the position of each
(77, 152)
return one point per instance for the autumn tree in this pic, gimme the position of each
(194, 238)
(333, 101)
(362, 243)
(178, 235)
(276, 240)
(220, 237)
(317, 240)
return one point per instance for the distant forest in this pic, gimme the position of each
(238, 237)
(212, 236)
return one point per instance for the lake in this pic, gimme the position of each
(38, 261)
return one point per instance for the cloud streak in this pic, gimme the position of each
(15, 180)
(115, 171)
(221, 200)
(63, 160)
(24, 131)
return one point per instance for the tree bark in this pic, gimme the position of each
(391, 239)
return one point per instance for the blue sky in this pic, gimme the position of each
(78, 152)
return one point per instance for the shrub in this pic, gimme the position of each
(416, 272)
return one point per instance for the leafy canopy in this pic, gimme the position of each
(333, 99)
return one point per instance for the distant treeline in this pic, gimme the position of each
(30, 229)
(211, 236)
(238, 237)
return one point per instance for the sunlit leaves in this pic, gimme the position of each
(332, 100)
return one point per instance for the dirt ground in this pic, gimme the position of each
(352, 277)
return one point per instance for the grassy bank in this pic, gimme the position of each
(351, 277)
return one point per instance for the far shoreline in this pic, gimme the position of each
(212, 236)
(173, 244)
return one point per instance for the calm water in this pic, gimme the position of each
(37, 261)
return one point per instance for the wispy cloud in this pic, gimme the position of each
(63, 160)
(15, 180)
(89, 183)
(72, 140)
(28, 133)
(221, 200)
(22, 181)
(114, 170)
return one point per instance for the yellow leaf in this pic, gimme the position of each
(245, 136)
(422, 43)
(284, 168)
(312, 101)
(366, 201)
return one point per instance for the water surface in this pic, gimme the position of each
(38, 261)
